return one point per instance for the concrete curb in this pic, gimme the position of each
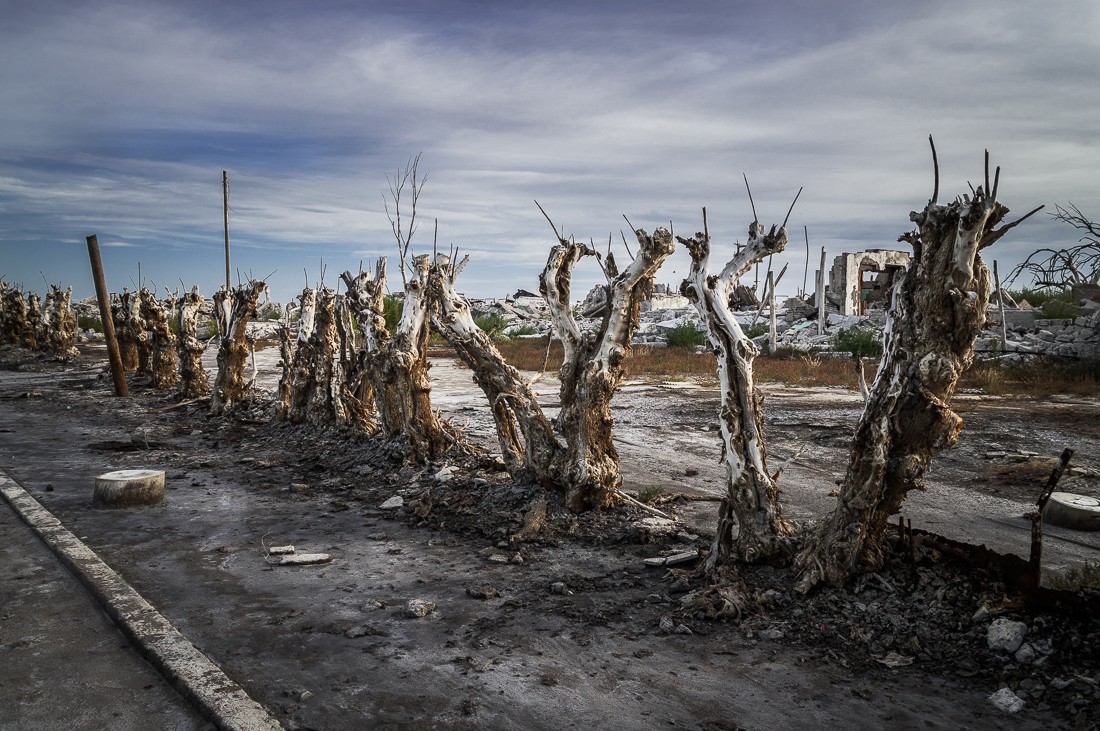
(193, 674)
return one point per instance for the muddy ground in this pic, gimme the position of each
(569, 628)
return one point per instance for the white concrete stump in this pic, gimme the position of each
(1079, 512)
(128, 488)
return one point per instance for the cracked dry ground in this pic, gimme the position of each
(565, 629)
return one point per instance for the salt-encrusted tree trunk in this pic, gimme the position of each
(299, 370)
(528, 444)
(34, 319)
(58, 323)
(352, 381)
(398, 364)
(194, 382)
(593, 364)
(238, 308)
(286, 362)
(751, 504)
(18, 329)
(127, 329)
(160, 341)
(937, 310)
(312, 387)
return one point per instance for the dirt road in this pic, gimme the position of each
(567, 631)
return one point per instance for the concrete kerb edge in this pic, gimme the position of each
(193, 674)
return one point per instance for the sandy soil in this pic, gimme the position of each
(569, 629)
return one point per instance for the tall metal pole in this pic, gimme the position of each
(225, 215)
(118, 374)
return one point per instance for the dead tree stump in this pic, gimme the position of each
(194, 381)
(938, 308)
(237, 308)
(751, 504)
(592, 368)
(160, 341)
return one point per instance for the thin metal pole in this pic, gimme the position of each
(118, 374)
(225, 215)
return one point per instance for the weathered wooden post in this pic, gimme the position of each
(118, 375)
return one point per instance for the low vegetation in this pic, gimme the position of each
(1037, 379)
(686, 335)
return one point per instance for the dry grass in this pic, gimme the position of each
(1036, 380)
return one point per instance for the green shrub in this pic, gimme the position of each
(859, 342)
(1039, 297)
(1056, 309)
(492, 324)
(276, 314)
(522, 330)
(685, 335)
(207, 329)
(391, 310)
(87, 322)
(755, 330)
(1086, 576)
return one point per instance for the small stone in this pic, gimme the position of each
(482, 592)
(691, 472)
(419, 608)
(1007, 701)
(1026, 654)
(558, 587)
(518, 559)
(1006, 635)
(665, 625)
(305, 695)
(299, 487)
(498, 558)
(682, 629)
(981, 615)
(1061, 683)
(393, 503)
(771, 634)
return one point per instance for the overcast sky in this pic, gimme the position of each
(118, 119)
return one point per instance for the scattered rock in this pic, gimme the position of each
(419, 608)
(771, 634)
(482, 592)
(1007, 701)
(304, 559)
(682, 629)
(665, 625)
(393, 503)
(559, 587)
(691, 472)
(891, 660)
(1026, 654)
(648, 529)
(1006, 635)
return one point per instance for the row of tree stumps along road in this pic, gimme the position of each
(345, 368)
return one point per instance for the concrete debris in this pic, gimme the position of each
(419, 608)
(304, 559)
(559, 587)
(673, 559)
(280, 550)
(482, 592)
(892, 660)
(1006, 635)
(1007, 701)
(393, 503)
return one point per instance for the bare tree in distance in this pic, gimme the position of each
(1063, 268)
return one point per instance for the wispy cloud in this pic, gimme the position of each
(644, 108)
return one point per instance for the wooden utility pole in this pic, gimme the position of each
(771, 329)
(821, 295)
(806, 269)
(1001, 308)
(118, 374)
(225, 215)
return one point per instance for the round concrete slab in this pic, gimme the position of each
(1069, 510)
(128, 488)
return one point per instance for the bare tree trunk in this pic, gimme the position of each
(593, 365)
(194, 382)
(6, 333)
(127, 330)
(286, 362)
(34, 320)
(352, 380)
(237, 308)
(398, 365)
(18, 329)
(937, 310)
(528, 444)
(161, 341)
(322, 409)
(58, 331)
(301, 363)
(752, 500)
